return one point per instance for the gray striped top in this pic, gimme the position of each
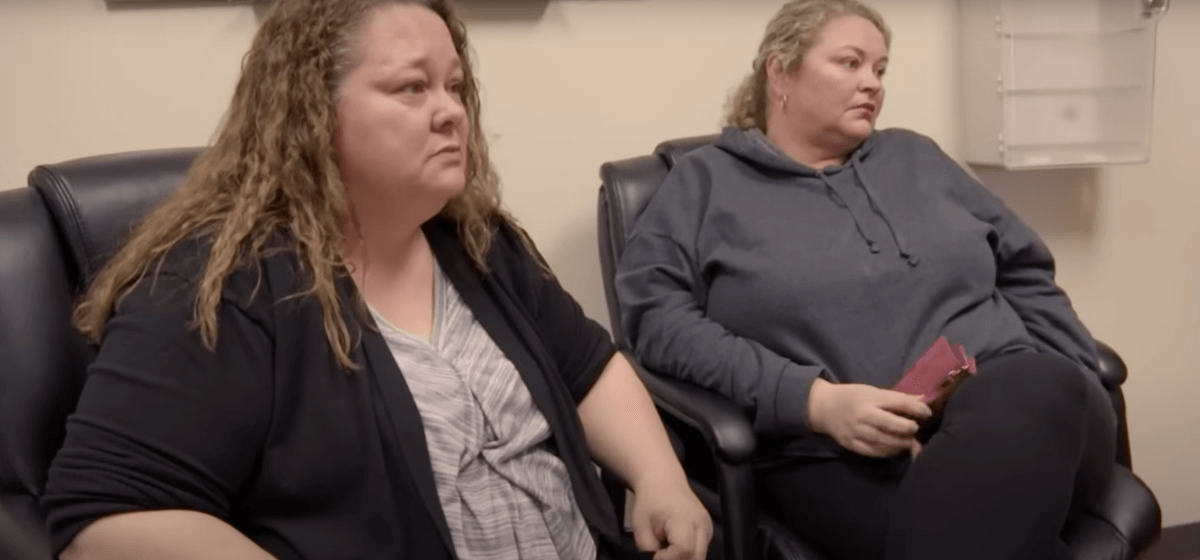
(505, 496)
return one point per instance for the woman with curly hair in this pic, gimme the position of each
(332, 342)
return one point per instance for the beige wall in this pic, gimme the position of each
(586, 82)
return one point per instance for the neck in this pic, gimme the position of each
(806, 150)
(384, 250)
(393, 269)
(386, 230)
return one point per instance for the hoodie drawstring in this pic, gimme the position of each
(904, 254)
(871, 244)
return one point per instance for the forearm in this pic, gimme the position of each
(624, 431)
(772, 389)
(162, 535)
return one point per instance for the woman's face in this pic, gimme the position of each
(836, 92)
(401, 133)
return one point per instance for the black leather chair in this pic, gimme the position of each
(54, 236)
(717, 454)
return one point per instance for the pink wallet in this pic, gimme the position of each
(936, 374)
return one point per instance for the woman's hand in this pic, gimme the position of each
(864, 419)
(669, 520)
(627, 438)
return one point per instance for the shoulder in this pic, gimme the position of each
(253, 286)
(691, 181)
(899, 148)
(904, 139)
(514, 258)
(700, 164)
(511, 253)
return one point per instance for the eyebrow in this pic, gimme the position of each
(422, 61)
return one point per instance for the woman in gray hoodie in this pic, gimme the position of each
(801, 263)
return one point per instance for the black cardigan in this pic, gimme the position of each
(269, 435)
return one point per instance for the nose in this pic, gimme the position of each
(871, 82)
(450, 112)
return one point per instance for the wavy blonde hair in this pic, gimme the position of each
(271, 170)
(790, 35)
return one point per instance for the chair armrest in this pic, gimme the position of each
(1124, 522)
(723, 426)
(1112, 368)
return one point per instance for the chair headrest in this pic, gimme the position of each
(673, 150)
(96, 201)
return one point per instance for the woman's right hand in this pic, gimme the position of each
(865, 419)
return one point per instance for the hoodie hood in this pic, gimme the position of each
(755, 148)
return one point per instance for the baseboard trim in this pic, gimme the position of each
(1180, 542)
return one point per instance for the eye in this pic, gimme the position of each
(412, 88)
(851, 63)
(880, 72)
(456, 88)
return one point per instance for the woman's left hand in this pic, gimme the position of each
(670, 521)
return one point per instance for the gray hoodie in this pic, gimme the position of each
(752, 274)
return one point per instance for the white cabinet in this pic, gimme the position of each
(1057, 83)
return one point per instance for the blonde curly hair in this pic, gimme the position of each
(271, 170)
(790, 35)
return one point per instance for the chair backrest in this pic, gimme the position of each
(54, 236)
(626, 187)
(98, 200)
(41, 357)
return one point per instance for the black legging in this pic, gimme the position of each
(1023, 445)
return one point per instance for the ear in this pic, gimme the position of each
(777, 76)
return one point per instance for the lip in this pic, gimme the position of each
(453, 149)
(868, 107)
